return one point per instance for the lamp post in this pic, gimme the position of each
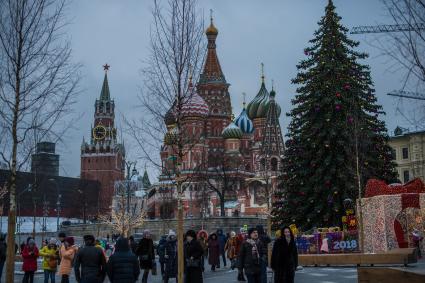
(134, 172)
(83, 195)
(58, 203)
(18, 228)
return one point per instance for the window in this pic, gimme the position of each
(274, 164)
(406, 176)
(393, 154)
(405, 152)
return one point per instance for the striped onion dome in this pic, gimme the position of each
(259, 106)
(232, 132)
(170, 117)
(244, 123)
(194, 105)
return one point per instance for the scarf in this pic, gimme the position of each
(255, 253)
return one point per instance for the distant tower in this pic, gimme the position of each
(45, 161)
(272, 146)
(103, 158)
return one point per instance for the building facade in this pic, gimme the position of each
(45, 160)
(226, 165)
(102, 159)
(409, 154)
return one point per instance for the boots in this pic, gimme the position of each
(240, 276)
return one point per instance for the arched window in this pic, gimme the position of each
(274, 164)
(262, 164)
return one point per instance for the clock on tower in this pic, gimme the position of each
(102, 159)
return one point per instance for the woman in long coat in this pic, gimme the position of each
(192, 256)
(284, 257)
(170, 257)
(145, 252)
(213, 251)
(232, 248)
(67, 252)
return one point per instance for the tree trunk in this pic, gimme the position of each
(222, 210)
(180, 239)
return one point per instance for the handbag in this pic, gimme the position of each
(154, 268)
(53, 263)
(193, 262)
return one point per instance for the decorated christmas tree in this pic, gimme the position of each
(336, 141)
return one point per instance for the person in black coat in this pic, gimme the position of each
(123, 266)
(284, 257)
(92, 262)
(265, 240)
(133, 244)
(160, 250)
(193, 255)
(146, 253)
(170, 257)
(250, 256)
(3, 248)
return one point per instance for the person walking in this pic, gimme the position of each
(250, 257)
(284, 260)
(203, 240)
(123, 266)
(160, 250)
(222, 239)
(213, 251)
(133, 244)
(50, 256)
(192, 255)
(265, 241)
(67, 252)
(232, 248)
(146, 254)
(170, 256)
(91, 261)
(30, 254)
(3, 249)
(60, 243)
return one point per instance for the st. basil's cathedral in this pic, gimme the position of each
(235, 160)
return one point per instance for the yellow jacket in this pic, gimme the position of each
(47, 253)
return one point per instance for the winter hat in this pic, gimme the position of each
(232, 234)
(70, 240)
(31, 242)
(61, 235)
(146, 232)
(52, 241)
(171, 233)
(88, 239)
(251, 230)
(191, 233)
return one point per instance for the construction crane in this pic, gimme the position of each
(387, 28)
(393, 28)
(407, 94)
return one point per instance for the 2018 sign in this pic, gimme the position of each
(342, 245)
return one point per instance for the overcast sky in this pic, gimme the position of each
(250, 32)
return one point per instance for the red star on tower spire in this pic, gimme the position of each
(106, 67)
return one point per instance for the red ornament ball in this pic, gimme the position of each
(346, 86)
(338, 94)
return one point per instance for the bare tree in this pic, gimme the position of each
(407, 46)
(176, 50)
(38, 84)
(122, 219)
(223, 179)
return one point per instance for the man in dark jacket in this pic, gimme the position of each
(250, 255)
(222, 239)
(3, 248)
(265, 240)
(170, 256)
(123, 266)
(92, 262)
(161, 252)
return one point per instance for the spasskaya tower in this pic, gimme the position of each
(102, 158)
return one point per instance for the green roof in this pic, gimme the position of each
(104, 94)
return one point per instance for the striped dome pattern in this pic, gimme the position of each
(232, 132)
(194, 105)
(244, 123)
(258, 107)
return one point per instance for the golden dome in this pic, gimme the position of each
(211, 30)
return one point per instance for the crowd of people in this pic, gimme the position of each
(245, 251)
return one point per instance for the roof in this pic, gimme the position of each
(105, 94)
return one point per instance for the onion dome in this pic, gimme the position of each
(258, 107)
(171, 137)
(244, 123)
(211, 30)
(273, 96)
(194, 105)
(169, 117)
(232, 132)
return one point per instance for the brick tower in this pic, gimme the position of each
(214, 89)
(103, 158)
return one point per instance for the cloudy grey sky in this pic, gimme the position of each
(250, 32)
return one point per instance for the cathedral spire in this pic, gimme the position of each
(212, 70)
(104, 94)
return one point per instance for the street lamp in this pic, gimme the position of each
(134, 172)
(18, 228)
(58, 203)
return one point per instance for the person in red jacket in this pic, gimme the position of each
(29, 256)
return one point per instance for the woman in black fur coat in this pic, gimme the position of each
(284, 257)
